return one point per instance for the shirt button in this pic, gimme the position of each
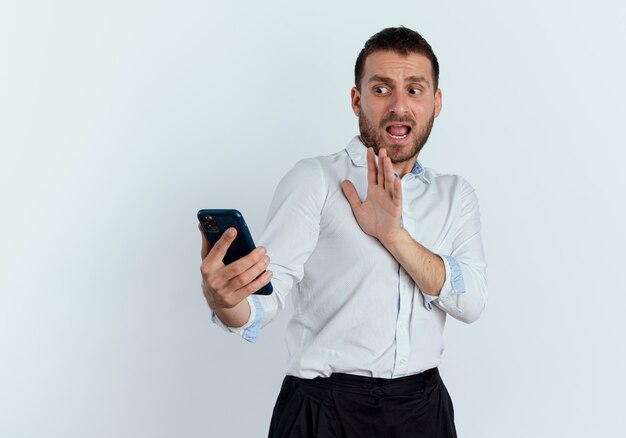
(402, 361)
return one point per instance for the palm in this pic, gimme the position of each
(380, 214)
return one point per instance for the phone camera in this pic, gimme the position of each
(210, 224)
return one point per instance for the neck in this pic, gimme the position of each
(404, 167)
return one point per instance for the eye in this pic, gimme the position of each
(381, 90)
(415, 91)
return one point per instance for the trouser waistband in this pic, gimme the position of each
(367, 385)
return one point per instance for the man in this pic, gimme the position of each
(376, 250)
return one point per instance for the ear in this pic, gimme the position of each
(355, 99)
(438, 101)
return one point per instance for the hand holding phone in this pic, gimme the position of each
(238, 252)
(225, 286)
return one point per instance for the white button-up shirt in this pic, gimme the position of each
(356, 310)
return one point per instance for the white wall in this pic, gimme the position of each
(120, 119)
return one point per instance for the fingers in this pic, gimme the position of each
(205, 244)
(381, 175)
(244, 278)
(397, 192)
(228, 298)
(240, 266)
(227, 286)
(351, 194)
(372, 171)
(251, 281)
(386, 176)
(221, 246)
(382, 154)
(389, 177)
(254, 286)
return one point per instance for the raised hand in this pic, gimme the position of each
(380, 214)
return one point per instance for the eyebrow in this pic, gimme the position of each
(418, 79)
(387, 80)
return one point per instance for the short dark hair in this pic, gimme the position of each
(401, 40)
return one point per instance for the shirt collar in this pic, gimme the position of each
(358, 154)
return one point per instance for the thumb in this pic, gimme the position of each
(351, 195)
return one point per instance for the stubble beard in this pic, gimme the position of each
(374, 139)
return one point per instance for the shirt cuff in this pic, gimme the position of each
(453, 284)
(250, 330)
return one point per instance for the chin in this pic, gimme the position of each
(401, 153)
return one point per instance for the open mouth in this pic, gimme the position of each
(398, 132)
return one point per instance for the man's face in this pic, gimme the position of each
(397, 104)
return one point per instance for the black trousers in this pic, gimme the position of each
(348, 406)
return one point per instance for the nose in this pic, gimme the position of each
(399, 104)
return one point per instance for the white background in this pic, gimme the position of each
(120, 119)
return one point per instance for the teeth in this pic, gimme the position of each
(397, 137)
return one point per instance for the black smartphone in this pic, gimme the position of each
(215, 222)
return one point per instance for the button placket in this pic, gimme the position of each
(405, 287)
(402, 324)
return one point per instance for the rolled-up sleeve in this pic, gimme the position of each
(464, 292)
(250, 330)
